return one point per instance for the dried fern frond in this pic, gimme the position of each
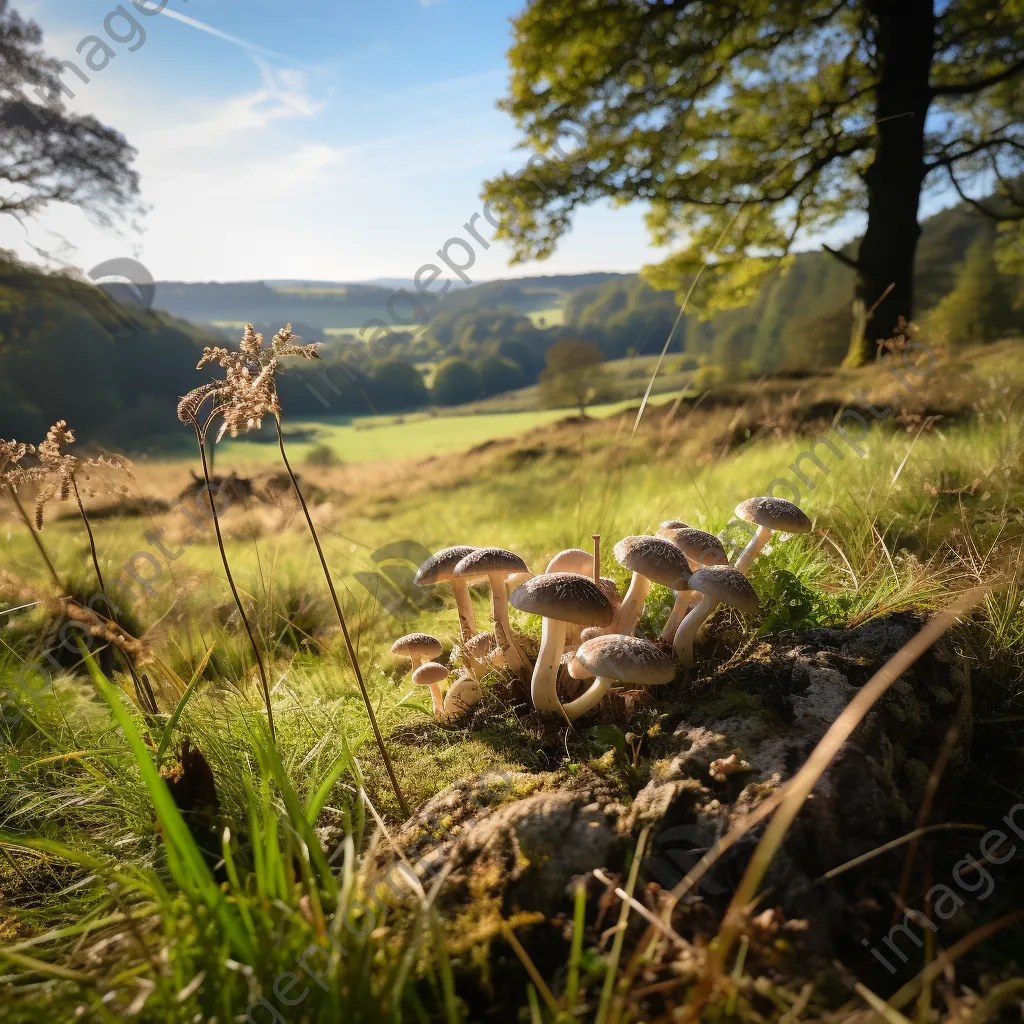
(188, 407)
(249, 390)
(11, 453)
(58, 468)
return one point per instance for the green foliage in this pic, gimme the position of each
(978, 309)
(744, 126)
(498, 375)
(790, 603)
(456, 382)
(322, 455)
(573, 376)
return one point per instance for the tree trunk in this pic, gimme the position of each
(905, 34)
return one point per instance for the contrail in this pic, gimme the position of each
(210, 30)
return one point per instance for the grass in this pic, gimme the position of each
(114, 908)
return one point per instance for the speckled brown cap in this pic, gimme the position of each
(483, 561)
(565, 597)
(700, 547)
(421, 645)
(728, 585)
(627, 659)
(775, 514)
(438, 567)
(480, 645)
(430, 673)
(656, 558)
(669, 526)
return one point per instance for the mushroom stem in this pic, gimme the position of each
(464, 603)
(685, 600)
(753, 549)
(682, 645)
(437, 698)
(582, 704)
(502, 630)
(545, 673)
(628, 613)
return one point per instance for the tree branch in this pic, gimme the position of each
(980, 84)
(842, 257)
(980, 207)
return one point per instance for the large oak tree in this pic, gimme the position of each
(47, 153)
(759, 122)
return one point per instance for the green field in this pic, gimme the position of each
(413, 436)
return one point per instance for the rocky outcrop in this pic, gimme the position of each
(721, 749)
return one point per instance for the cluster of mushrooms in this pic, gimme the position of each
(587, 626)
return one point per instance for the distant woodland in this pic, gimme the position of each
(67, 349)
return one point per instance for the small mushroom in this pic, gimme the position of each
(417, 647)
(720, 584)
(438, 569)
(701, 549)
(618, 659)
(768, 514)
(560, 598)
(496, 564)
(477, 651)
(433, 675)
(576, 670)
(461, 696)
(572, 560)
(582, 563)
(669, 526)
(650, 559)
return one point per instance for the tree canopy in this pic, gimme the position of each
(49, 154)
(746, 125)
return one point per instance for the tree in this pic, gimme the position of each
(50, 154)
(456, 382)
(397, 385)
(759, 121)
(573, 375)
(498, 375)
(978, 309)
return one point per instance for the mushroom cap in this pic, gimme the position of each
(591, 631)
(462, 695)
(775, 514)
(572, 560)
(728, 585)
(627, 659)
(564, 597)
(656, 558)
(699, 546)
(438, 567)
(669, 526)
(515, 578)
(480, 645)
(431, 672)
(483, 561)
(421, 645)
(608, 587)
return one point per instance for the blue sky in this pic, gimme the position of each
(307, 139)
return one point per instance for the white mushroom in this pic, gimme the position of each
(701, 549)
(433, 675)
(768, 514)
(417, 647)
(496, 564)
(720, 584)
(461, 696)
(650, 559)
(618, 659)
(560, 598)
(438, 569)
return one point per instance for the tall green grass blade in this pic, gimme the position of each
(172, 722)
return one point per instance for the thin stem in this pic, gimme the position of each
(200, 437)
(344, 625)
(35, 537)
(147, 702)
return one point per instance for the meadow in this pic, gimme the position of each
(123, 902)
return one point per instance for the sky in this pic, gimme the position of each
(305, 139)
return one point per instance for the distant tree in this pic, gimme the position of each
(573, 376)
(456, 382)
(978, 308)
(50, 154)
(398, 385)
(792, 112)
(498, 375)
